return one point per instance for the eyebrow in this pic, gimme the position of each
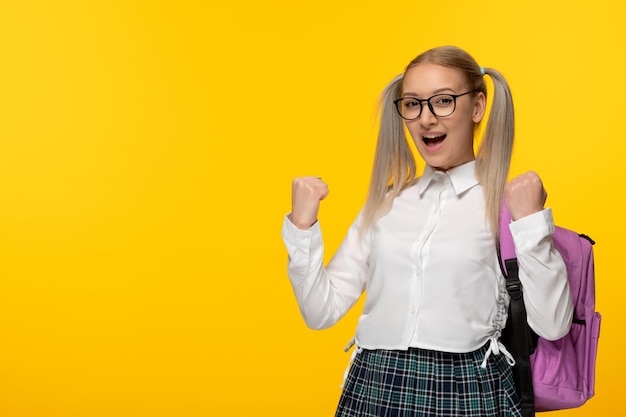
(438, 91)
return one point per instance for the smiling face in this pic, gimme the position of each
(443, 142)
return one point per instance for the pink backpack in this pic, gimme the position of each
(558, 374)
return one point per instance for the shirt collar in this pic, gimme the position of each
(462, 177)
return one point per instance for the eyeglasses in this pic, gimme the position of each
(441, 105)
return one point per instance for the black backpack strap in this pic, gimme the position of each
(519, 339)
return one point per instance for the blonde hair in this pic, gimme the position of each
(394, 163)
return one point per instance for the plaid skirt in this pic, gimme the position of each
(419, 382)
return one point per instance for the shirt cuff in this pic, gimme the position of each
(299, 238)
(534, 227)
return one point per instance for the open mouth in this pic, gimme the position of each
(433, 140)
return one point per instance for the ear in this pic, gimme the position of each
(480, 104)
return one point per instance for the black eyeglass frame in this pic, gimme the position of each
(430, 106)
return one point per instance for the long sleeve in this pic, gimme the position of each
(543, 275)
(324, 295)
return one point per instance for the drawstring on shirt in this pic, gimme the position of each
(352, 357)
(495, 347)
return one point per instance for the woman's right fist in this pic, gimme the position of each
(306, 194)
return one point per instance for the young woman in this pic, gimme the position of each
(424, 249)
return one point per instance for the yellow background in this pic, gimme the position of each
(146, 156)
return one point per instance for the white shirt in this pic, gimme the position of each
(430, 270)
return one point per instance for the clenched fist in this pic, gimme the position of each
(307, 193)
(525, 195)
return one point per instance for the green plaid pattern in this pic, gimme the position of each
(426, 383)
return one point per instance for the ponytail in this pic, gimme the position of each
(394, 164)
(493, 158)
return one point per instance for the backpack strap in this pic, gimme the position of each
(517, 337)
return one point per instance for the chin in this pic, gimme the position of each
(438, 164)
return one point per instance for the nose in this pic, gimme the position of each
(427, 118)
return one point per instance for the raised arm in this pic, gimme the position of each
(324, 294)
(542, 272)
